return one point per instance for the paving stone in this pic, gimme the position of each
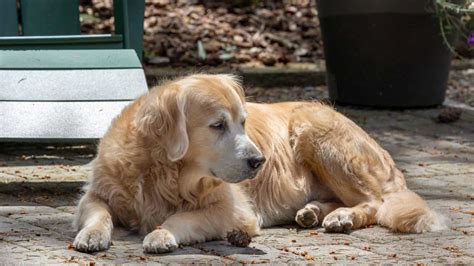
(380, 235)
(10, 200)
(457, 260)
(453, 244)
(465, 122)
(30, 257)
(58, 222)
(458, 212)
(255, 253)
(431, 148)
(44, 173)
(51, 196)
(436, 188)
(11, 248)
(442, 164)
(339, 254)
(464, 183)
(67, 209)
(306, 238)
(468, 231)
(408, 250)
(413, 170)
(26, 210)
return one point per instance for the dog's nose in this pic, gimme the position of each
(256, 162)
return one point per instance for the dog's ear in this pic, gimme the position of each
(163, 118)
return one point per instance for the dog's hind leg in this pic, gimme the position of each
(345, 219)
(314, 212)
(95, 224)
(361, 174)
(346, 160)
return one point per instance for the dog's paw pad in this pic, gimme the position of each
(92, 240)
(307, 217)
(339, 221)
(159, 241)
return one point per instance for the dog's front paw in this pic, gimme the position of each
(91, 239)
(339, 221)
(308, 216)
(159, 241)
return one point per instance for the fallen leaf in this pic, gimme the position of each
(471, 212)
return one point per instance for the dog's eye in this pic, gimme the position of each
(218, 126)
(243, 123)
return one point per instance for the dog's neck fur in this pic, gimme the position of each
(182, 185)
(167, 188)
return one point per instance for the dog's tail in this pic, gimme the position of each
(406, 212)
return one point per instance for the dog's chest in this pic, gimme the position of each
(153, 202)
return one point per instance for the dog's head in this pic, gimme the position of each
(200, 120)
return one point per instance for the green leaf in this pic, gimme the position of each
(87, 17)
(201, 51)
(226, 56)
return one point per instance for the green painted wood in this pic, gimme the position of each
(50, 17)
(44, 20)
(69, 59)
(129, 16)
(9, 19)
(63, 46)
(99, 41)
(61, 39)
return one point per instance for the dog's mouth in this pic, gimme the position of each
(252, 175)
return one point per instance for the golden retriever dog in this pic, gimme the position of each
(191, 160)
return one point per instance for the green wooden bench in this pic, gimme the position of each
(54, 24)
(58, 85)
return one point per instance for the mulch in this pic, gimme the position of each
(214, 32)
(461, 86)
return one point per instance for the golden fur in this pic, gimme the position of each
(158, 170)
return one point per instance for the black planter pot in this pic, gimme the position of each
(384, 53)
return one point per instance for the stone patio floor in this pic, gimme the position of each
(40, 185)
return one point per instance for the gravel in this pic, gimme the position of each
(461, 86)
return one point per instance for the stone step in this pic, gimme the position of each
(65, 121)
